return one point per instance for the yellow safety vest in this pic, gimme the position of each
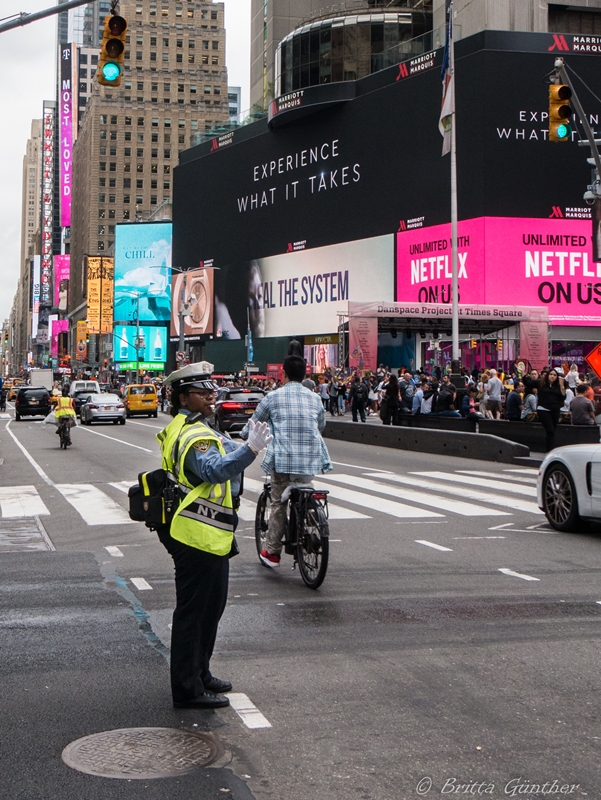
(205, 516)
(64, 408)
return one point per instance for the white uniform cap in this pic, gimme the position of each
(197, 375)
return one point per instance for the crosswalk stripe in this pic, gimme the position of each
(247, 510)
(481, 473)
(334, 511)
(390, 507)
(515, 488)
(93, 505)
(21, 501)
(424, 498)
(515, 503)
(123, 486)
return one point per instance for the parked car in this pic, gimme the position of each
(102, 407)
(79, 398)
(569, 486)
(234, 406)
(32, 401)
(141, 399)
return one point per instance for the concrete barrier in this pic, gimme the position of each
(421, 440)
(532, 434)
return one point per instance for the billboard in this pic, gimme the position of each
(143, 272)
(62, 274)
(197, 301)
(47, 201)
(81, 341)
(503, 260)
(35, 296)
(65, 115)
(152, 343)
(58, 326)
(100, 294)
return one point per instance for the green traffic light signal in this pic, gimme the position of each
(110, 71)
(112, 51)
(560, 112)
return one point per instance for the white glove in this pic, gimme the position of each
(258, 435)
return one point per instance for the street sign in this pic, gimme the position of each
(180, 357)
(593, 359)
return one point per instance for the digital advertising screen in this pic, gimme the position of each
(152, 343)
(192, 294)
(143, 272)
(62, 274)
(502, 260)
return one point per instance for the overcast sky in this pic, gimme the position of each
(27, 60)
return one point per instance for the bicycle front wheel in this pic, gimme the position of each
(262, 520)
(313, 547)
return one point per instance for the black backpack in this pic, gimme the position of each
(154, 499)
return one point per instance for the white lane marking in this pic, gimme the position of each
(518, 575)
(435, 546)
(114, 551)
(356, 466)
(524, 470)
(247, 510)
(478, 537)
(376, 503)
(247, 711)
(146, 425)
(141, 584)
(500, 527)
(21, 501)
(497, 475)
(123, 486)
(598, 602)
(425, 499)
(334, 511)
(30, 458)
(515, 503)
(5, 416)
(517, 488)
(93, 505)
(121, 441)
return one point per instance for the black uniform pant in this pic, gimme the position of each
(201, 585)
(549, 421)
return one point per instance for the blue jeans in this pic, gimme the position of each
(447, 413)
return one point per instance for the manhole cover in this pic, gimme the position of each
(142, 753)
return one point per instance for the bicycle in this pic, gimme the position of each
(64, 434)
(307, 531)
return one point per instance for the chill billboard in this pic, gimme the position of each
(534, 262)
(143, 272)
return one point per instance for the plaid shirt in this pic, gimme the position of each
(296, 418)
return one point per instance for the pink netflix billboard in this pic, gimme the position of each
(505, 261)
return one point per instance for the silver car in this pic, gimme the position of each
(569, 486)
(102, 408)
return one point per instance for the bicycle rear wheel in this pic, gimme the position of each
(313, 548)
(262, 520)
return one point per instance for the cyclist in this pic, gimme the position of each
(2, 399)
(296, 417)
(65, 413)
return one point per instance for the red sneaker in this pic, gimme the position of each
(269, 559)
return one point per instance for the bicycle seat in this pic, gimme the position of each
(286, 494)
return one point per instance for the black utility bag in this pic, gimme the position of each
(154, 499)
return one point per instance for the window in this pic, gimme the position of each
(128, 120)
(180, 88)
(216, 89)
(215, 61)
(165, 11)
(140, 122)
(112, 198)
(153, 199)
(102, 134)
(181, 139)
(111, 230)
(153, 41)
(214, 45)
(191, 44)
(101, 230)
(140, 86)
(101, 245)
(94, 59)
(166, 184)
(207, 89)
(103, 151)
(204, 14)
(190, 58)
(167, 87)
(112, 151)
(153, 184)
(102, 182)
(165, 42)
(101, 198)
(140, 152)
(139, 10)
(111, 215)
(101, 213)
(154, 168)
(139, 184)
(181, 123)
(127, 85)
(179, 42)
(140, 137)
(194, 124)
(103, 119)
(153, 11)
(167, 138)
(165, 57)
(139, 167)
(192, 88)
(126, 200)
(128, 136)
(179, 58)
(139, 40)
(126, 210)
(167, 123)
(112, 183)
(154, 87)
(205, 44)
(127, 151)
(83, 73)
(139, 199)
(138, 55)
(205, 59)
(153, 56)
(190, 13)
(127, 183)
(83, 59)
(166, 169)
(213, 14)
(155, 137)
(154, 153)
(167, 154)
(102, 166)
(178, 11)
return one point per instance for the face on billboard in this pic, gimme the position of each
(152, 343)
(302, 292)
(143, 272)
(506, 261)
(196, 303)
(62, 273)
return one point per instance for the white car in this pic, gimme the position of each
(569, 486)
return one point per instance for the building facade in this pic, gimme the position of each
(174, 85)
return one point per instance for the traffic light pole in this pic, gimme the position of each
(563, 74)
(24, 18)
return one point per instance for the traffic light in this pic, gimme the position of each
(499, 344)
(473, 344)
(560, 112)
(112, 51)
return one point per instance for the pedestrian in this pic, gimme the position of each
(582, 409)
(551, 397)
(573, 378)
(308, 383)
(163, 397)
(530, 381)
(444, 406)
(430, 395)
(358, 397)
(207, 464)
(390, 401)
(469, 404)
(333, 392)
(416, 406)
(530, 403)
(494, 394)
(515, 404)
(324, 393)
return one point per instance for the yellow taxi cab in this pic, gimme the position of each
(14, 389)
(141, 398)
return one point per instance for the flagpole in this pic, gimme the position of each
(455, 364)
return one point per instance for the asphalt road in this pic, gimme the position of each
(453, 648)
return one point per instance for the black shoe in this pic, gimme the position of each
(217, 686)
(204, 700)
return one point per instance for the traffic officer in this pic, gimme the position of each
(208, 467)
